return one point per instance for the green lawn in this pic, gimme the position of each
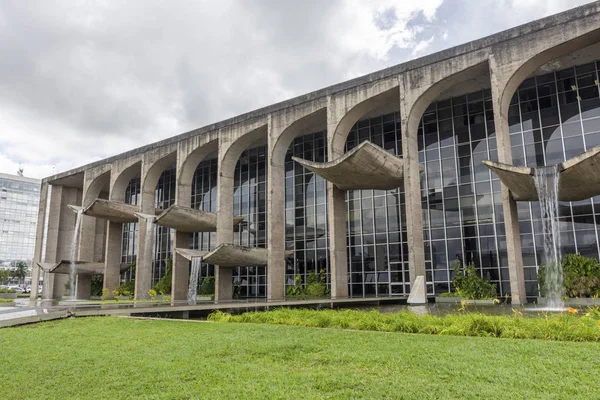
(119, 358)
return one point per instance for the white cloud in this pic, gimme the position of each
(81, 81)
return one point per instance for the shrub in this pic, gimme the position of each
(581, 276)
(316, 286)
(470, 286)
(97, 283)
(7, 290)
(152, 293)
(163, 286)
(126, 288)
(207, 287)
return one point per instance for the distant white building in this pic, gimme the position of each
(19, 200)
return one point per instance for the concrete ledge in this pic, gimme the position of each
(186, 219)
(579, 178)
(367, 166)
(229, 255)
(81, 267)
(189, 253)
(114, 211)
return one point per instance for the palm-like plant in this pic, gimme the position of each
(20, 271)
(4, 275)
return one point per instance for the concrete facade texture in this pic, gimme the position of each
(502, 62)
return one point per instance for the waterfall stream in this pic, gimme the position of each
(74, 246)
(193, 286)
(546, 183)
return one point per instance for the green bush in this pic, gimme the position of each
(126, 288)
(316, 286)
(207, 287)
(164, 285)
(470, 286)
(7, 290)
(581, 276)
(97, 283)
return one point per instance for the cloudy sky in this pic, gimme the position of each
(84, 80)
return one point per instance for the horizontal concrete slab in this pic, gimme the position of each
(81, 267)
(189, 253)
(187, 219)
(579, 178)
(367, 166)
(229, 255)
(111, 210)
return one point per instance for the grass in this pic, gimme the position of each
(564, 326)
(119, 358)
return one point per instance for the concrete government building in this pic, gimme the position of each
(379, 181)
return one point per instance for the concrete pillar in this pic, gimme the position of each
(39, 241)
(412, 190)
(336, 207)
(338, 259)
(223, 276)
(509, 205)
(84, 286)
(143, 270)
(180, 267)
(275, 218)
(112, 257)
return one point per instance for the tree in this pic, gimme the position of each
(4, 275)
(20, 271)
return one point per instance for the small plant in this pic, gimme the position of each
(152, 293)
(581, 276)
(470, 286)
(207, 287)
(316, 286)
(126, 288)
(7, 290)
(105, 294)
(164, 285)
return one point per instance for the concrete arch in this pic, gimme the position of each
(345, 111)
(152, 168)
(188, 161)
(98, 185)
(306, 124)
(230, 151)
(507, 76)
(120, 180)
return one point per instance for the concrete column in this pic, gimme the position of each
(275, 220)
(509, 205)
(84, 286)
(180, 267)
(143, 270)
(336, 207)
(338, 256)
(39, 241)
(412, 191)
(223, 276)
(112, 257)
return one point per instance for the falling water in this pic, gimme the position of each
(149, 239)
(74, 245)
(546, 183)
(193, 287)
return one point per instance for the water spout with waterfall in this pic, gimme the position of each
(546, 182)
(193, 285)
(74, 246)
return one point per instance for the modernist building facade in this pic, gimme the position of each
(19, 200)
(373, 182)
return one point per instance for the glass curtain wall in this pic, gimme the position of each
(163, 239)
(376, 232)
(306, 211)
(250, 201)
(130, 229)
(554, 117)
(204, 197)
